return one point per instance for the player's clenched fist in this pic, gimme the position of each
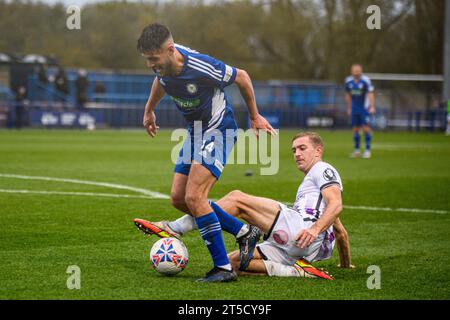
(149, 123)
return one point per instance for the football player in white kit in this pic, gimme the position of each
(294, 237)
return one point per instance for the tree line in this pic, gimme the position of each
(272, 39)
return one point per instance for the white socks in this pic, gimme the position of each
(183, 225)
(226, 267)
(243, 231)
(275, 269)
(187, 223)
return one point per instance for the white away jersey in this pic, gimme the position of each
(309, 200)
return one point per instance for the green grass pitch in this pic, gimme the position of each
(42, 234)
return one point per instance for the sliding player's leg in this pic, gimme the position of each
(257, 211)
(186, 223)
(255, 267)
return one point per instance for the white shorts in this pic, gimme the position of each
(280, 245)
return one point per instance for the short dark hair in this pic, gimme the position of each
(152, 37)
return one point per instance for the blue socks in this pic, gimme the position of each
(229, 223)
(356, 139)
(368, 141)
(211, 232)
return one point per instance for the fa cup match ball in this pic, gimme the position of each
(169, 256)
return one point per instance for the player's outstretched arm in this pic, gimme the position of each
(149, 121)
(245, 86)
(343, 245)
(333, 198)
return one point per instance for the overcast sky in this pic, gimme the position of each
(83, 2)
(76, 2)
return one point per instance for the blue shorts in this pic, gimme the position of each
(360, 119)
(209, 145)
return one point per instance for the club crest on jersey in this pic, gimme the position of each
(329, 175)
(191, 88)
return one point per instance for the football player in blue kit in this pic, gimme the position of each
(360, 101)
(196, 83)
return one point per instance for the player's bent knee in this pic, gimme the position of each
(235, 195)
(178, 201)
(179, 206)
(193, 199)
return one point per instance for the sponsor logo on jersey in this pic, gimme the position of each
(329, 175)
(356, 92)
(186, 104)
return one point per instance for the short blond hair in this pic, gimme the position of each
(314, 138)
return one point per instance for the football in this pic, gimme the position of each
(169, 256)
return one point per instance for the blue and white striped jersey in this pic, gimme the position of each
(198, 91)
(358, 91)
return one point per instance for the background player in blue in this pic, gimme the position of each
(360, 100)
(196, 84)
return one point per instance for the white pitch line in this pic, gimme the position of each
(64, 193)
(153, 194)
(156, 195)
(415, 210)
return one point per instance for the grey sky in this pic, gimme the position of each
(70, 2)
(83, 2)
